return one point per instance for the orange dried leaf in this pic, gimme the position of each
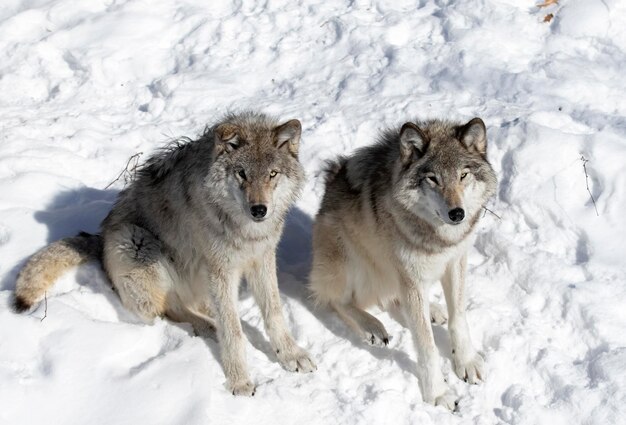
(547, 3)
(548, 17)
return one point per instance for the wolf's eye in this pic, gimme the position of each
(242, 174)
(433, 179)
(463, 176)
(273, 173)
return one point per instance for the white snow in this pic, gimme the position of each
(86, 84)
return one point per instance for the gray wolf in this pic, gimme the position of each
(396, 217)
(199, 216)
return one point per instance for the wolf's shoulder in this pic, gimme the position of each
(374, 160)
(181, 154)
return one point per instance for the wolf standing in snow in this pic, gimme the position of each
(199, 216)
(396, 217)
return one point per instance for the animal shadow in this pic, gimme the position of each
(69, 213)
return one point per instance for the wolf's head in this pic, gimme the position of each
(257, 159)
(444, 173)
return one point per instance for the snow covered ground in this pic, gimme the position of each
(84, 85)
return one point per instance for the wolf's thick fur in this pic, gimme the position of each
(397, 216)
(200, 215)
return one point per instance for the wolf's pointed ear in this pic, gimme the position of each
(474, 135)
(226, 137)
(412, 142)
(288, 136)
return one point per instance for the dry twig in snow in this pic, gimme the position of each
(585, 161)
(487, 210)
(547, 3)
(129, 171)
(45, 301)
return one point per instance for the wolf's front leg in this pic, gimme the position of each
(433, 386)
(223, 290)
(264, 283)
(468, 364)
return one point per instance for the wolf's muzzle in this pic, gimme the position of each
(258, 211)
(456, 215)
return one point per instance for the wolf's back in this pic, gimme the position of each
(48, 264)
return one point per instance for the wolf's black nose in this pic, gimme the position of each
(258, 211)
(457, 215)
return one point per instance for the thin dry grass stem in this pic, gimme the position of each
(487, 210)
(128, 173)
(585, 161)
(45, 303)
(547, 3)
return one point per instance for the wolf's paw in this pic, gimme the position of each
(438, 314)
(471, 370)
(374, 333)
(244, 387)
(296, 360)
(378, 340)
(448, 400)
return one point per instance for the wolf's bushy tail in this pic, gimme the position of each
(48, 264)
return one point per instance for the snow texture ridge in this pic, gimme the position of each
(87, 84)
